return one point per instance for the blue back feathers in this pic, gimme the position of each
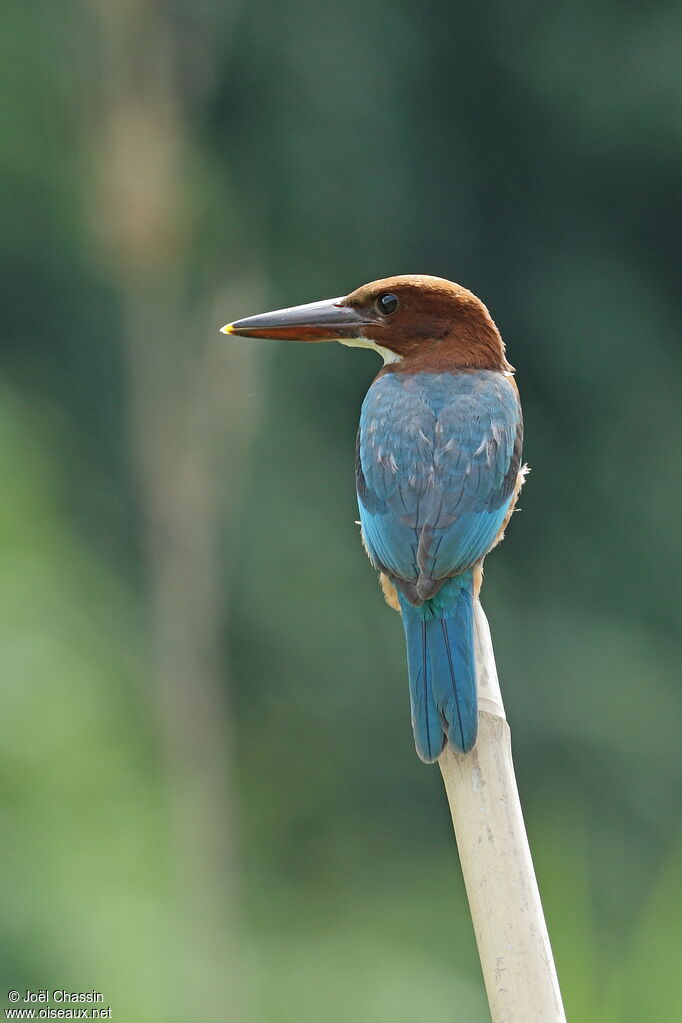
(437, 460)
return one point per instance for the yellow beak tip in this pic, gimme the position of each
(227, 329)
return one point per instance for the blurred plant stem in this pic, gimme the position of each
(183, 403)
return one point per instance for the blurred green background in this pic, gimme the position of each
(210, 803)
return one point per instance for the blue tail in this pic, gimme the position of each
(442, 670)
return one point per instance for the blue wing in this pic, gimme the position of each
(437, 460)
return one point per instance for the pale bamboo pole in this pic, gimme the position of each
(513, 944)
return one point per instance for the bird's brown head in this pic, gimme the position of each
(412, 320)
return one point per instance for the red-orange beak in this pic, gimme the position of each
(331, 320)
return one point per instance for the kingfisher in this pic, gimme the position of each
(438, 470)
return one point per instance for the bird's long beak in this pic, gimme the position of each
(331, 320)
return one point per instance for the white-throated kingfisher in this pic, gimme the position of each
(438, 470)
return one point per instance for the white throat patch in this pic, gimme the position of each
(362, 342)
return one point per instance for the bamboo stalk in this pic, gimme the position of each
(513, 943)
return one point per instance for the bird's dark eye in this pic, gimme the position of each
(387, 304)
